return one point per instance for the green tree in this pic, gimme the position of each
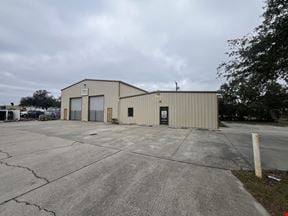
(275, 100)
(227, 102)
(262, 56)
(246, 101)
(257, 68)
(42, 99)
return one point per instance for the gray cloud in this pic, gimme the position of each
(51, 44)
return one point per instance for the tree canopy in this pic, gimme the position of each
(247, 102)
(257, 67)
(41, 99)
(262, 56)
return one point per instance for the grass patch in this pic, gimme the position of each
(273, 195)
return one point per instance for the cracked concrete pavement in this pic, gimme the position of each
(36, 206)
(23, 167)
(85, 168)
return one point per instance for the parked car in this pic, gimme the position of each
(23, 114)
(52, 113)
(34, 114)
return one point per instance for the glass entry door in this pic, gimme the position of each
(164, 115)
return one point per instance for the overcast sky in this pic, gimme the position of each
(150, 43)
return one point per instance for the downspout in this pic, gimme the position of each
(118, 102)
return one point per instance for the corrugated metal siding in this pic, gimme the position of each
(110, 90)
(126, 90)
(185, 109)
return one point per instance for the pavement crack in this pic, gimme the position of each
(75, 142)
(181, 143)
(26, 168)
(179, 161)
(97, 145)
(6, 153)
(236, 149)
(48, 182)
(35, 205)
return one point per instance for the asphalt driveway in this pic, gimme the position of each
(84, 168)
(273, 143)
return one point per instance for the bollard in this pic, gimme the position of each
(256, 153)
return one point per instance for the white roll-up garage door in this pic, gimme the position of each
(75, 108)
(96, 108)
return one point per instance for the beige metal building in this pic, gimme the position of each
(104, 100)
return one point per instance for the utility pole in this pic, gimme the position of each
(177, 87)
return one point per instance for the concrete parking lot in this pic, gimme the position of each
(84, 168)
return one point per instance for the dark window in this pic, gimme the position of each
(130, 112)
